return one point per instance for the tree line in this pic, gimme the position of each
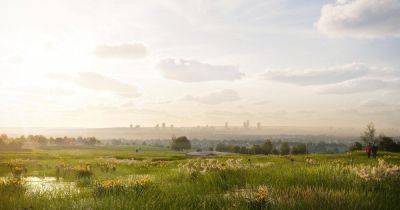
(266, 148)
(16, 143)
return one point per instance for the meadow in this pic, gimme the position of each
(120, 177)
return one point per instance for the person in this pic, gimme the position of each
(374, 150)
(368, 150)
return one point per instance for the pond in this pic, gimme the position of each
(49, 184)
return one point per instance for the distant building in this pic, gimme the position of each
(163, 125)
(131, 126)
(246, 124)
(258, 125)
(226, 125)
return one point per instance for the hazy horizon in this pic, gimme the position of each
(321, 63)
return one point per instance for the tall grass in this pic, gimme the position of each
(264, 182)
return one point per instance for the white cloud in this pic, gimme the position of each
(361, 85)
(263, 102)
(194, 71)
(124, 51)
(361, 18)
(14, 59)
(319, 76)
(372, 104)
(215, 97)
(99, 82)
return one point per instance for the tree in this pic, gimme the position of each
(267, 147)
(256, 149)
(356, 146)
(388, 144)
(180, 143)
(369, 134)
(236, 149)
(285, 148)
(299, 149)
(244, 150)
(221, 147)
(91, 141)
(275, 151)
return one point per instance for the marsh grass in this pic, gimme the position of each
(264, 182)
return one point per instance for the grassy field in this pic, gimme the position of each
(154, 178)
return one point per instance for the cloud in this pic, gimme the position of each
(362, 85)
(94, 81)
(387, 116)
(319, 76)
(215, 97)
(14, 59)
(194, 71)
(228, 114)
(361, 18)
(123, 51)
(372, 104)
(306, 112)
(262, 102)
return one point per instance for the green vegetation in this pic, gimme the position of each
(180, 143)
(119, 177)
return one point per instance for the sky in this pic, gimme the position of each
(98, 63)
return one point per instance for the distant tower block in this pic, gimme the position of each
(163, 125)
(259, 125)
(226, 125)
(131, 126)
(246, 124)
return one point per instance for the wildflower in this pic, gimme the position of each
(107, 166)
(135, 184)
(17, 168)
(12, 184)
(311, 161)
(262, 194)
(207, 165)
(84, 170)
(257, 198)
(379, 172)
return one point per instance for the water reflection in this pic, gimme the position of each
(49, 184)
